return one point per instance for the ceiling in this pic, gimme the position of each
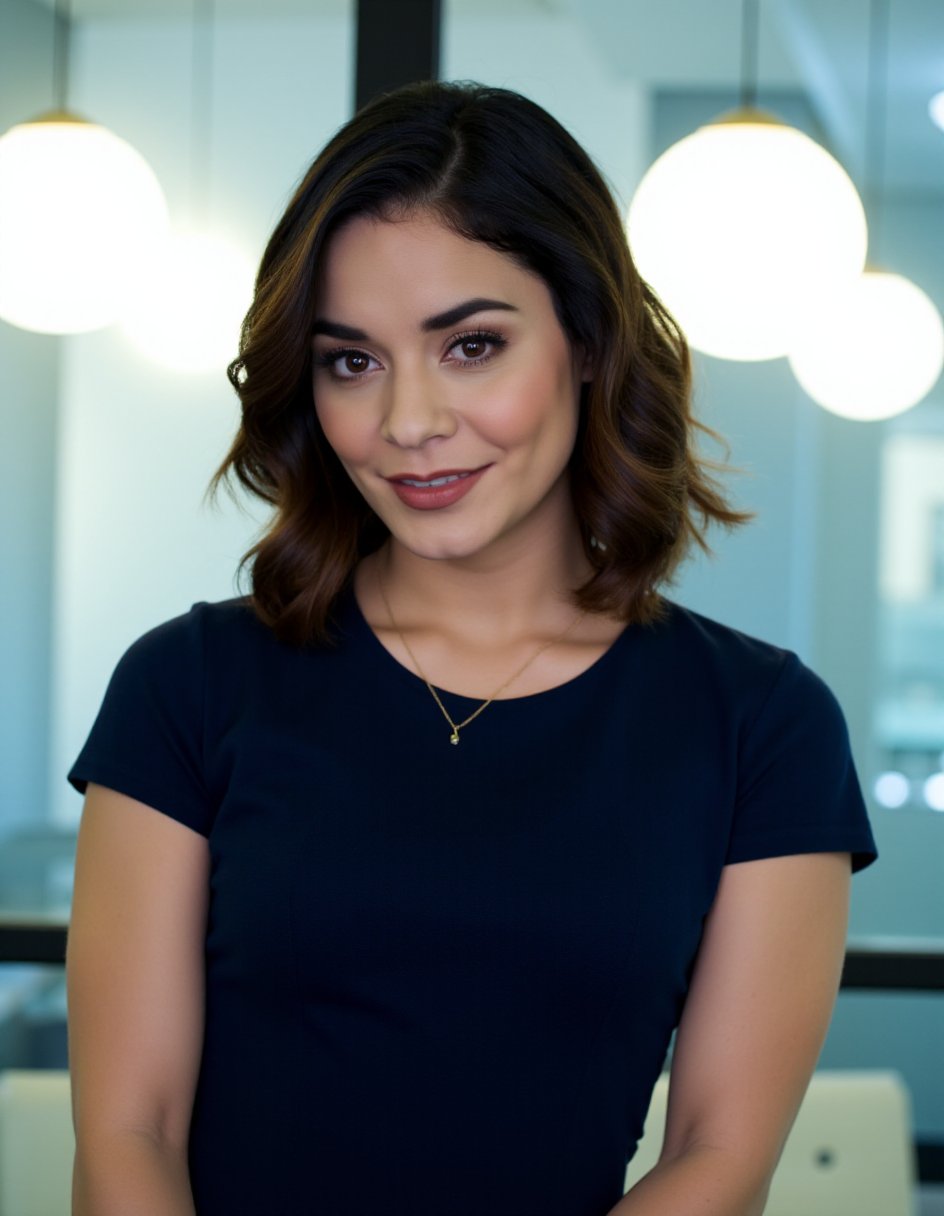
(819, 46)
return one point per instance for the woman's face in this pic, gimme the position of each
(433, 355)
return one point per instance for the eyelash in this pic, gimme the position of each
(330, 357)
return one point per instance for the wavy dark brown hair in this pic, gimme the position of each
(494, 167)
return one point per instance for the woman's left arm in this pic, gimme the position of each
(756, 1015)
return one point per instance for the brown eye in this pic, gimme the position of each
(484, 345)
(344, 364)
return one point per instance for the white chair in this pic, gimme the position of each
(37, 1142)
(849, 1153)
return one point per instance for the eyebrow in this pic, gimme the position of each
(442, 320)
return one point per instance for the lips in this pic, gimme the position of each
(427, 498)
(427, 477)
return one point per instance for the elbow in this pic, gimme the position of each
(738, 1179)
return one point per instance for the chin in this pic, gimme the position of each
(437, 548)
(441, 551)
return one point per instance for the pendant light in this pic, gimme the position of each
(738, 223)
(77, 206)
(876, 348)
(198, 285)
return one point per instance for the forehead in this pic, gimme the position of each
(414, 254)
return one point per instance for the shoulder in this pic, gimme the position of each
(177, 649)
(709, 640)
(224, 649)
(796, 789)
(732, 664)
(203, 616)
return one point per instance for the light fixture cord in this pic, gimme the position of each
(876, 123)
(749, 52)
(201, 103)
(62, 26)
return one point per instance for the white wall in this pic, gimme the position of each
(550, 57)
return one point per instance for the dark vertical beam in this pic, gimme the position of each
(397, 43)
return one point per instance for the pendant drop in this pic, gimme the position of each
(454, 737)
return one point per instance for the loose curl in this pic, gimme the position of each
(496, 168)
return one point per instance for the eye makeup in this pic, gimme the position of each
(330, 358)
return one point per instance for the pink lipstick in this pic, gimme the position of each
(434, 490)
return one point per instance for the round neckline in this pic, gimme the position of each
(410, 676)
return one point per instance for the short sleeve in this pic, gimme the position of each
(797, 789)
(147, 739)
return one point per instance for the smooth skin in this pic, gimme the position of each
(135, 990)
(477, 587)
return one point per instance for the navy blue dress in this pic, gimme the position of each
(442, 980)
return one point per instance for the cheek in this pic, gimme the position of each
(343, 431)
(538, 408)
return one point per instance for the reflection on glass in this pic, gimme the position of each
(892, 789)
(909, 718)
(37, 864)
(32, 1017)
(934, 791)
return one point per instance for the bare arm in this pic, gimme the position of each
(753, 1026)
(130, 1174)
(135, 993)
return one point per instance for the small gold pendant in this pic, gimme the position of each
(454, 737)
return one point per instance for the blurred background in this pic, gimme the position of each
(106, 450)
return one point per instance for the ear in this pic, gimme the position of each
(586, 372)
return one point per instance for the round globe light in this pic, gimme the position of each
(892, 789)
(77, 206)
(737, 225)
(936, 109)
(194, 294)
(872, 350)
(934, 791)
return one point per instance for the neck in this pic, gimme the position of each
(512, 590)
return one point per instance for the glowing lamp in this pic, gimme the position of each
(892, 789)
(737, 225)
(871, 350)
(196, 290)
(936, 109)
(78, 206)
(934, 791)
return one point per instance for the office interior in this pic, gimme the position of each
(106, 454)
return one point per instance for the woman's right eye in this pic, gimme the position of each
(335, 360)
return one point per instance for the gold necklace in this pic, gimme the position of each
(454, 737)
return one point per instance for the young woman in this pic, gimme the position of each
(459, 816)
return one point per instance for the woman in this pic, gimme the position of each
(460, 816)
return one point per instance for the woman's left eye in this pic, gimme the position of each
(479, 338)
(331, 358)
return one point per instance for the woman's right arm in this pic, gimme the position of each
(135, 991)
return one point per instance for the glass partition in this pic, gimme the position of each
(909, 710)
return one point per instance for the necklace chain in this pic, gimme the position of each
(456, 727)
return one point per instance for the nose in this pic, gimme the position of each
(415, 408)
